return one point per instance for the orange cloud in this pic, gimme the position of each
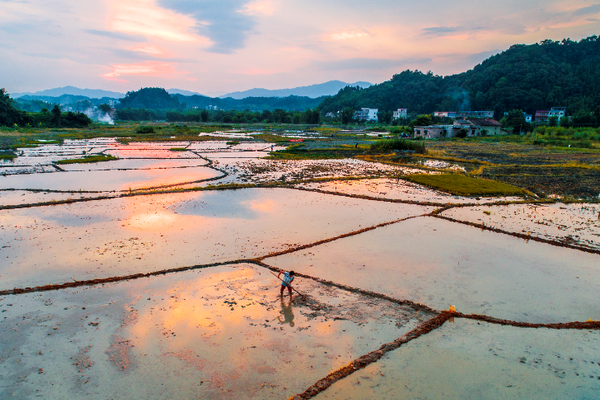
(149, 68)
(144, 17)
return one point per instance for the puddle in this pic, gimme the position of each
(568, 223)
(148, 233)
(466, 359)
(439, 263)
(217, 333)
(130, 164)
(397, 189)
(21, 197)
(107, 180)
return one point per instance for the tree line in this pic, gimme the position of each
(11, 116)
(526, 77)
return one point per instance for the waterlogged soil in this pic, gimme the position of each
(471, 360)
(440, 263)
(216, 333)
(261, 170)
(397, 189)
(573, 224)
(116, 237)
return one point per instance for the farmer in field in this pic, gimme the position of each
(286, 282)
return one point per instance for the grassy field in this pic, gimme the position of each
(88, 159)
(465, 186)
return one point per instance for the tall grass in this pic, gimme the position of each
(387, 146)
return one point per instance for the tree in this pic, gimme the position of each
(9, 115)
(56, 113)
(105, 108)
(421, 120)
(516, 119)
(204, 115)
(347, 115)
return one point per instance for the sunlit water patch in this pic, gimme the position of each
(128, 164)
(439, 263)
(107, 180)
(217, 333)
(148, 233)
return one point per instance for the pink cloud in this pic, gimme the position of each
(149, 49)
(149, 68)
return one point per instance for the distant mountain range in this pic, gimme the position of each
(72, 90)
(313, 91)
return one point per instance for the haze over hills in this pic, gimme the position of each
(313, 91)
(72, 90)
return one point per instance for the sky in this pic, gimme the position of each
(219, 46)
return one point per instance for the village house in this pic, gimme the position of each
(557, 112)
(471, 127)
(541, 115)
(400, 113)
(367, 114)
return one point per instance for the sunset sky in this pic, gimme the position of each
(218, 46)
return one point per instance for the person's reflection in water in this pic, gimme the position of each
(288, 314)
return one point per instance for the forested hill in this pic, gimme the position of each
(527, 77)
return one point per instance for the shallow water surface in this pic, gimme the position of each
(216, 333)
(107, 180)
(471, 360)
(147, 233)
(439, 263)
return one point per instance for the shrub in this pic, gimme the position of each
(387, 146)
(145, 129)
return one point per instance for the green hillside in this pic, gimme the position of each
(526, 77)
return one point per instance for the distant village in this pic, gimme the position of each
(464, 124)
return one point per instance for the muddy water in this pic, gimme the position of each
(147, 233)
(439, 263)
(217, 333)
(470, 360)
(107, 180)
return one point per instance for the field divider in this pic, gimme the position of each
(525, 237)
(345, 235)
(374, 356)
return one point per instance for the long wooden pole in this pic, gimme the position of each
(304, 297)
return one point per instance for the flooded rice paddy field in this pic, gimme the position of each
(397, 189)
(103, 238)
(172, 294)
(471, 360)
(569, 223)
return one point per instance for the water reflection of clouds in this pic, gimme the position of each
(244, 204)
